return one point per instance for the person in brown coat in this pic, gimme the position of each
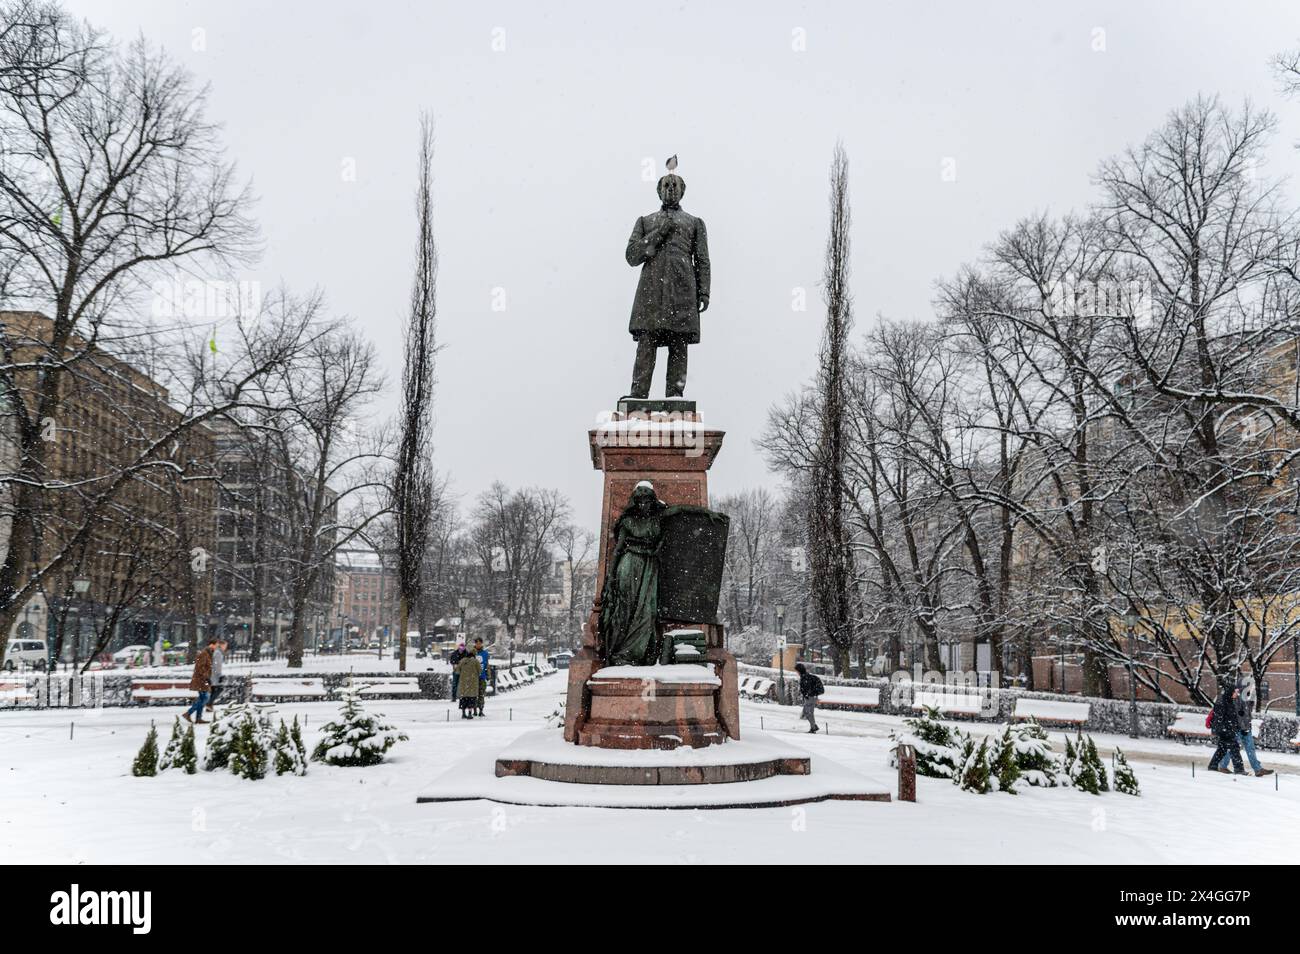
(468, 669)
(201, 682)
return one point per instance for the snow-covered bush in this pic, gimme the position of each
(295, 735)
(1034, 758)
(1069, 763)
(173, 750)
(356, 738)
(938, 747)
(289, 758)
(1004, 763)
(252, 744)
(1126, 781)
(973, 772)
(180, 752)
(146, 760)
(1094, 759)
(216, 754)
(1084, 767)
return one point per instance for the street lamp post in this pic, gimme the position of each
(511, 621)
(79, 586)
(1130, 622)
(780, 650)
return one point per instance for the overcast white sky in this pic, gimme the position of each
(540, 152)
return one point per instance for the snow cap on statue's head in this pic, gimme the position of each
(643, 483)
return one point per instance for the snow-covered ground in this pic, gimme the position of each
(74, 800)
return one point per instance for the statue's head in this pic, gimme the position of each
(643, 499)
(671, 188)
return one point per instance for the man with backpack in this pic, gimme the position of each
(810, 687)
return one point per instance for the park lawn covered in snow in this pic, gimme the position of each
(69, 801)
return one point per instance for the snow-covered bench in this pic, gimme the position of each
(13, 693)
(506, 679)
(743, 684)
(388, 687)
(948, 703)
(1191, 725)
(852, 698)
(162, 690)
(761, 689)
(1052, 712)
(288, 689)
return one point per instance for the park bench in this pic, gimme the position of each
(288, 689)
(161, 690)
(1052, 712)
(389, 687)
(849, 698)
(14, 692)
(948, 703)
(506, 679)
(1191, 725)
(743, 684)
(761, 689)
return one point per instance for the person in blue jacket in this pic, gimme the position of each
(483, 658)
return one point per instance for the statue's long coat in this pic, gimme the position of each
(674, 277)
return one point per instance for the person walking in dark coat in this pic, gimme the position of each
(1224, 726)
(484, 667)
(201, 682)
(1245, 705)
(455, 659)
(810, 687)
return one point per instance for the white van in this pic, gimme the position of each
(29, 652)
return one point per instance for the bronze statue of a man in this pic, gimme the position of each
(672, 248)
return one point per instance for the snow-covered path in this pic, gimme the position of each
(75, 801)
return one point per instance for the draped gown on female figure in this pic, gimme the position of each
(629, 605)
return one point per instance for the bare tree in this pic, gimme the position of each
(334, 494)
(109, 170)
(511, 538)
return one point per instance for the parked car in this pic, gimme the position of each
(560, 660)
(29, 652)
(137, 655)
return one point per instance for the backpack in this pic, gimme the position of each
(818, 687)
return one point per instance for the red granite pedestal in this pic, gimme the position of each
(673, 452)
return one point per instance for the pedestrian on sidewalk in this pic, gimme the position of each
(1245, 724)
(217, 679)
(201, 682)
(468, 668)
(457, 655)
(1224, 726)
(810, 687)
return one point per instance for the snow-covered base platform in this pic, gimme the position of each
(540, 768)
